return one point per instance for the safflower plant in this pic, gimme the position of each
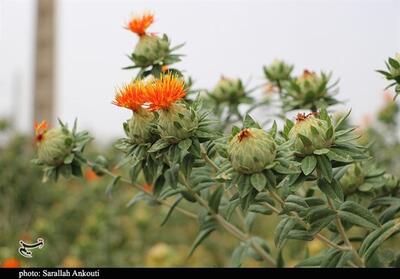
(313, 174)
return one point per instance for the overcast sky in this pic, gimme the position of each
(234, 38)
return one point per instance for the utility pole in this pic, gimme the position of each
(44, 65)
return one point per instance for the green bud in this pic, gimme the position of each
(278, 70)
(140, 126)
(54, 146)
(251, 150)
(314, 129)
(152, 48)
(177, 122)
(395, 72)
(353, 178)
(228, 90)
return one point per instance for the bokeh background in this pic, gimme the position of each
(80, 224)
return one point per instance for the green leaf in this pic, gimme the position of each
(206, 228)
(376, 238)
(185, 144)
(321, 151)
(329, 132)
(394, 63)
(159, 145)
(306, 141)
(332, 190)
(338, 155)
(341, 120)
(170, 211)
(69, 158)
(282, 230)
(171, 176)
(325, 167)
(259, 181)
(308, 164)
(235, 130)
(215, 199)
(112, 185)
(288, 126)
(238, 255)
(249, 122)
(357, 215)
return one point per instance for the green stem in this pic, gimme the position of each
(140, 188)
(228, 226)
(342, 232)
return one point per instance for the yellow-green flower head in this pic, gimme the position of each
(228, 90)
(352, 179)
(278, 70)
(314, 129)
(53, 145)
(251, 150)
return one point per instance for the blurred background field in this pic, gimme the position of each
(84, 226)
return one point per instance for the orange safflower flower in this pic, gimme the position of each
(90, 175)
(148, 187)
(11, 263)
(131, 95)
(40, 130)
(139, 24)
(165, 91)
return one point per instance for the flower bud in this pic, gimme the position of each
(314, 129)
(251, 150)
(177, 122)
(352, 179)
(228, 90)
(140, 126)
(278, 70)
(152, 48)
(54, 145)
(395, 72)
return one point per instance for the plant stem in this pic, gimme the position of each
(228, 226)
(207, 159)
(140, 188)
(342, 232)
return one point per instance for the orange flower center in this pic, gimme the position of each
(302, 116)
(131, 95)
(164, 92)
(40, 130)
(244, 134)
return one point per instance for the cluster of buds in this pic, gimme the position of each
(157, 109)
(278, 72)
(150, 49)
(310, 133)
(251, 150)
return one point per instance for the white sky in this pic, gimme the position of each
(235, 38)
